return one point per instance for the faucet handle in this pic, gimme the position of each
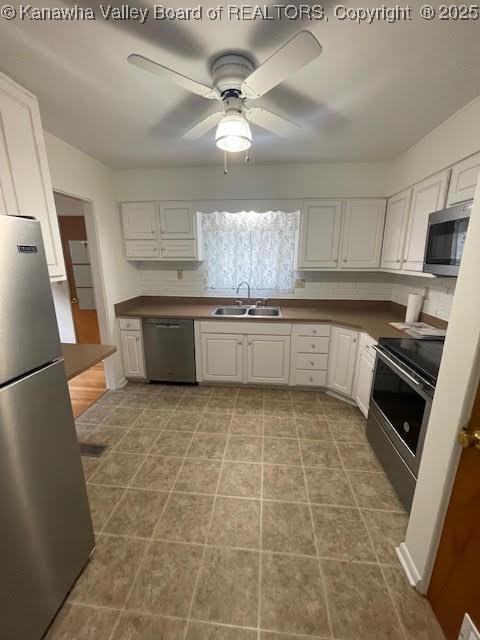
(262, 302)
(239, 302)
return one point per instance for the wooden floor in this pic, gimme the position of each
(87, 388)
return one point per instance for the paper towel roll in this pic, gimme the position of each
(414, 306)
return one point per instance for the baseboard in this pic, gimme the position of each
(339, 396)
(408, 565)
(120, 383)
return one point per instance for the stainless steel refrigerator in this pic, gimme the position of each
(46, 534)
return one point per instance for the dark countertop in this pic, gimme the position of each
(80, 357)
(370, 316)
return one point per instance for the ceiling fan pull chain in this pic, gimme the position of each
(247, 157)
(225, 166)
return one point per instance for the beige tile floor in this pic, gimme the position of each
(229, 514)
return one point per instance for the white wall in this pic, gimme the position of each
(455, 139)
(355, 179)
(77, 174)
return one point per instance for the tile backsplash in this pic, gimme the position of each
(161, 280)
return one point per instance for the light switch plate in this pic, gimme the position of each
(468, 630)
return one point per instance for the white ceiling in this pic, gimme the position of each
(374, 91)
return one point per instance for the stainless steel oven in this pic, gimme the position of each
(447, 231)
(400, 406)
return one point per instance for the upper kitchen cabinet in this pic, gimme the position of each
(464, 180)
(319, 236)
(25, 185)
(177, 220)
(139, 220)
(362, 234)
(396, 222)
(427, 196)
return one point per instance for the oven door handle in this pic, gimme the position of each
(396, 368)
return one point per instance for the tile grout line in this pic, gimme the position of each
(378, 563)
(322, 575)
(204, 550)
(260, 533)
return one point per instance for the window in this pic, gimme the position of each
(251, 246)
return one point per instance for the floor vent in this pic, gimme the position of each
(93, 450)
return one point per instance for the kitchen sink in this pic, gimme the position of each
(265, 312)
(247, 312)
(229, 311)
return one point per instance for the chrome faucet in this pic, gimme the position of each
(248, 288)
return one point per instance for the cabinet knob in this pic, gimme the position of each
(152, 231)
(310, 379)
(314, 331)
(239, 344)
(354, 339)
(313, 346)
(155, 248)
(312, 364)
(345, 260)
(249, 344)
(398, 260)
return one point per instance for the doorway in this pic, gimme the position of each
(454, 588)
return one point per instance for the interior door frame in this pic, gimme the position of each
(97, 276)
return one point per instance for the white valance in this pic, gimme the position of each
(260, 205)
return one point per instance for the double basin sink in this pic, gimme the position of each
(247, 312)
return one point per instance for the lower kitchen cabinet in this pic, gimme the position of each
(341, 362)
(363, 380)
(222, 357)
(133, 355)
(268, 359)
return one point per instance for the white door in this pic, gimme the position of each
(25, 185)
(319, 236)
(341, 362)
(268, 359)
(363, 380)
(427, 196)
(396, 222)
(133, 356)
(177, 220)
(362, 234)
(222, 357)
(464, 180)
(139, 220)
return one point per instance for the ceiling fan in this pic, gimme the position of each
(236, 81)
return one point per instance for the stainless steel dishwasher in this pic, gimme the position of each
(169, 350)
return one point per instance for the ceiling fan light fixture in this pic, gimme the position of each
(233, 133)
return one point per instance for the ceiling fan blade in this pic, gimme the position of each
(167, 74)
(295, 54)
(271, 121)
(204, 126)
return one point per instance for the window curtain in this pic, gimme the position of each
(251, 246)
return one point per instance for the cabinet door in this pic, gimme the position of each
(319, 236)
(427, 196)
(464, 180)
(133, 356)
(268, 359)
(362, 234)
(363, 380)
(25, 185)
(141, 250)
(341, 362)
(222, 357)
(177, 220)
(139, 221)
(396, 222)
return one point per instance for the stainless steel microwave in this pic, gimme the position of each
(446, 235)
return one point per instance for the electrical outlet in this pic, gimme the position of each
(468, 630)
(179, 274)
(300, 283)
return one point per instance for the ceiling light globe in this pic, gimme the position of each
(233, 133)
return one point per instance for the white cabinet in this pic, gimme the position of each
(427, 196)
(222, 357)
(319, 234)
(25, 185)
(341, 362)
(268, 359)
(362, 234)
(141, 249)
(364, 373)
(463, 181)
(133, 355)
(139, 220)
(309, 354)
(177, 220)
(396, 222)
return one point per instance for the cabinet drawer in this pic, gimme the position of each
(311, 378)
(130, 324)
(366, 342)
(315, 330)
(314, 361)
(178, 249)
(140, 249)
(312, 345)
